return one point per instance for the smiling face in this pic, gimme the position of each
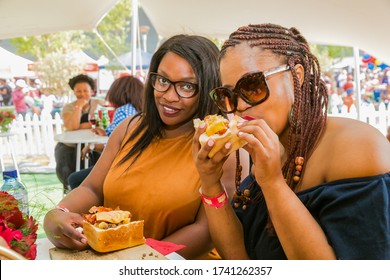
(83, 90)
(176, 112)
(242, 59)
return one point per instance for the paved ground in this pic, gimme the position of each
(31, 164)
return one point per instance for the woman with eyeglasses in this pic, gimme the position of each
(319, 186)
(147, 166)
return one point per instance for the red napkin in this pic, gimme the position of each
(163, 247)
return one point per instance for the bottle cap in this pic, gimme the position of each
(10, 174)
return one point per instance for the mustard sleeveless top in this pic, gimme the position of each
(161, 188)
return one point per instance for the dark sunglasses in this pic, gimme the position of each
(252, 88)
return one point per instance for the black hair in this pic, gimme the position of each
(81, 79)
(124, 90)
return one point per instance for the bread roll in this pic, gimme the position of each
(222, 131)
(110, 230)
(112, 239)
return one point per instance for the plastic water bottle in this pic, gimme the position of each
(16, 188)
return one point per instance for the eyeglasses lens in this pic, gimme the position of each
(253, 88)
(158, 83)
(224, 99)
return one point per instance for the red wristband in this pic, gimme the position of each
(216, 201)
(62, 208)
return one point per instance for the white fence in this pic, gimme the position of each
(378, 118)
(34, 135)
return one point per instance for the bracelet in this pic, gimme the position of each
(62, 208)
(216, 201)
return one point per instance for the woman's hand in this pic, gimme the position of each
(82, 103)
(99, 131)
(265, 149)
(210, 169)
(85, 151)
(64, 230)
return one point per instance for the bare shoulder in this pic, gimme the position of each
(354, 149)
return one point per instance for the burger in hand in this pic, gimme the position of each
(222, 131)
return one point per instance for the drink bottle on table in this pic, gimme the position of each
(16, 188)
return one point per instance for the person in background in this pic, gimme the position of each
(33, 97)
(126, 96)
(147, 166)
(5, 93)
(319, 187)
(75, 116)
(18, 98)
(48, 102)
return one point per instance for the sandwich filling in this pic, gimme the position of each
(105, 218)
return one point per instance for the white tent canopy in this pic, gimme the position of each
(12, 65)
(35, 17)
(355, 23)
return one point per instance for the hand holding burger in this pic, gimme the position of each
(222, 131)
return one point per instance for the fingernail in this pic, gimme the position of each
(228, 145)
(248, 118)
(210, 142)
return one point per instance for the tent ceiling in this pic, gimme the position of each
(359, 23)
(35, 17)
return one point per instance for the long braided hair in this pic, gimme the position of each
(309, 111)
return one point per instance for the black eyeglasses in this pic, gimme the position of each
(183, 89)
(252, 88)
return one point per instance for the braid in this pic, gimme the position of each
(310, 100)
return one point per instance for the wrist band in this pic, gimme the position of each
(62, 208)
(216, 201)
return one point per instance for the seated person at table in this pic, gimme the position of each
(126, 96)
(319, 187)
(75, 116)
(147, 166)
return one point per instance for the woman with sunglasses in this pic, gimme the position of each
(319, 186)
(147, 166)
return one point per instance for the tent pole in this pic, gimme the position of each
(357, 81)
(134, 29)
(109, 48)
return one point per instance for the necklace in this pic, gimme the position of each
(240, 199)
